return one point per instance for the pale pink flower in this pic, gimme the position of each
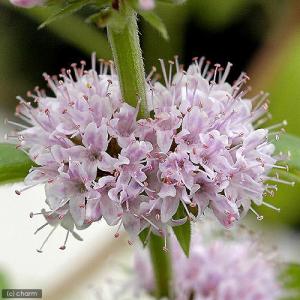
(200, 148)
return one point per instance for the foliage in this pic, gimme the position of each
(183, 232)
(14, 164)
(291, 281)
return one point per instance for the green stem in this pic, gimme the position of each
(161, 266)
(124, 41)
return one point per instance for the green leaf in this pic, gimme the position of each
(144, 236)
(291, 143)
(101, 18)
(155, 21)
(67, 10)
(14, 164)
(290, 277)
(183, 232)
(3, 281)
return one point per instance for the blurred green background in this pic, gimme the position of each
(261, 37)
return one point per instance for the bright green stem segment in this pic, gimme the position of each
(161, 266)
(125, 45)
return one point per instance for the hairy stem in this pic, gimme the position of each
(124, 41)
(161, 266)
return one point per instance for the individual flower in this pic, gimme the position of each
(27, 3)
(201, 149)
(218, 268)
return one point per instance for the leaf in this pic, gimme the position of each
(291, 143)
(3, 281)
(14, 164)
(290, 277)
(155, 21)
(144, 236)
(67, 10)
(183, 232)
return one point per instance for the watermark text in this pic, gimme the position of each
(21, 293)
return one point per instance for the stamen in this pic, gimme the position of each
(15, 123)
(200, 64)
(41, 227)
(171, 63)
(50, 83)
(271, 206)
(117, 234)
(153, 70)
(163, 67)
(258, 217)
(275, 179)
(150, 222)
(286, 168)
(189, 215)
(111, 67)
(105, 68)
(206, 68)
(45, 241)
(226, 72)
(217, 66)
(83, 64)
(283, 123)
(165, 248)
(101, 63)
(176, 63)
(264, 97)
(18, 192)
(63, 247)
(94, 61)
(262, 121)
(31, 215)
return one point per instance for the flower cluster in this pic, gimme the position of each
(217, 269)
(199, 149)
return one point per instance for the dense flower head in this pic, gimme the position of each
(218, 268)
(201, 148)
(27, 3)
